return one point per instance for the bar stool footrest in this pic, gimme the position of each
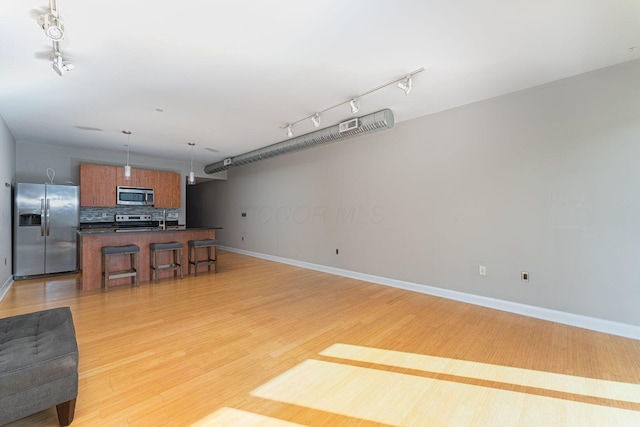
(122, 273)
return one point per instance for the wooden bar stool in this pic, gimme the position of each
(175, 248)
(211, 245)
(107, 251)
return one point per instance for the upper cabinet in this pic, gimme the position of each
(139, 178)
(97, 185)
(167, 190)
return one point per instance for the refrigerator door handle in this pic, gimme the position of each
(42, 217)
(47, 215)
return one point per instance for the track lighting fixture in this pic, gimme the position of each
(316, 120)
(192, 176)
(405, 85)
(355, 105)
(54, 30)
(127, 168)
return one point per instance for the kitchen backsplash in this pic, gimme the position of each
(91, 214)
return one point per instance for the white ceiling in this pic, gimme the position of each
(229, 74)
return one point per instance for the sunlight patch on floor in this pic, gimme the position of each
(408, 400)
(484, 371)
(236, 417)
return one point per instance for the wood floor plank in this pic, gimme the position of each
(195, 351)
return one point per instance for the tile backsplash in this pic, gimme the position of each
(92, 214)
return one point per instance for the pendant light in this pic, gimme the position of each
(127, 168)
(192, 177)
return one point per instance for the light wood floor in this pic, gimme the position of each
(261, 343)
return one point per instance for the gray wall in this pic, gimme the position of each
(7, 173)
(544, 180)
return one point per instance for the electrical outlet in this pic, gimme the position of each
(244, 214)
(524, 276)
(482, 270)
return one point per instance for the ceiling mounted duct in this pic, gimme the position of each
(367, 124)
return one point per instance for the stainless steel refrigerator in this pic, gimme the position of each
(45, 225)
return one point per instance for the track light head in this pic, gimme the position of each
(55, 32)
(52, 26)
(59, 65)
(289, 129)
(405, 85)
(355, 105)
(316, 119)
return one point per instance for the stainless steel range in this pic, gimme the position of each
(135, 223)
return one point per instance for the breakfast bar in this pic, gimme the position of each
(91, 242)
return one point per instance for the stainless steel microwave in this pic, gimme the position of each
(135, 196)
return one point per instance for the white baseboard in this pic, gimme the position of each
(4, 288)
(592, 323)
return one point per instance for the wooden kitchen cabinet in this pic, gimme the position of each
(143, 178)
(167, 190)
(97, 185)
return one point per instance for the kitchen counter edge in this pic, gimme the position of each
(159, 230)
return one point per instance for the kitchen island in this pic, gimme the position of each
(92, 241)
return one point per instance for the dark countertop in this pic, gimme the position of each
(112, 224)
(86, 225)
(142, 230)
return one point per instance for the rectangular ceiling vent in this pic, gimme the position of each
(348, 125)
